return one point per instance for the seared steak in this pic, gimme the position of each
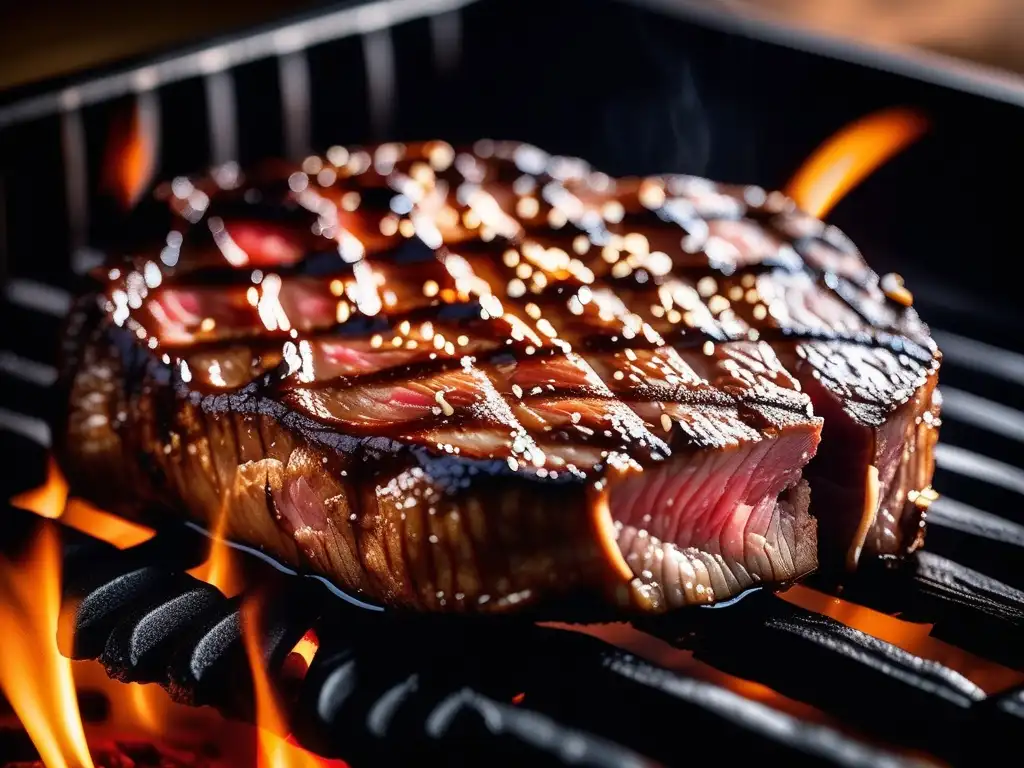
(478, 380)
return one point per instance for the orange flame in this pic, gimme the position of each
(909, 636)
(51, 500)
(35, 678)
(221, 568)
(272, 731)
(131, 155)
(842, 162)
(146, 703)
(82, 516)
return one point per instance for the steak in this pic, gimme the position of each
(486, 379)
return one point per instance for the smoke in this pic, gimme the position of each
(664, 120)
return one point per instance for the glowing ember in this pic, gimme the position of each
(307, 647)
(34, 677)
(909, 636)
(842, 162)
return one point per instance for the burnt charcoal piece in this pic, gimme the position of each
(102, 583)
(483, 727)
(998, 725)
(978, 539)
(138, 648)
(976, 612)
(210, 665)
(83, 633)
(524, 685)
(902, 687)
(482, 380)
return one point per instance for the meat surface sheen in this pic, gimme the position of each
(484, 379)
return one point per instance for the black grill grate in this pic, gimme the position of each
(381, 688)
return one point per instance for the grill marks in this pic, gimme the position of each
(398, 324)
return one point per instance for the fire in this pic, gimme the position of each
(881, 625)
(146, 705)
(273, 746)
(844, 160)
(910, 636)
(221, 568)
(51, 500)
(35, 678)
(307, 647)
(660, 652)
(130, 156)
(137, 711)
(109, 528)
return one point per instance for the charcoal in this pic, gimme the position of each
(210, 665)
(354, 699)
(138, 647)
(289, 610)
(998, 725)
(101, 604)
(901, 686)
(978, 539)
(977, 612)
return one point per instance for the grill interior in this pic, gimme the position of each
(676, 96)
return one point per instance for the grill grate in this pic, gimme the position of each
(369, 695)
(384, 688)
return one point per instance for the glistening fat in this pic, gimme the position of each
(480, 380)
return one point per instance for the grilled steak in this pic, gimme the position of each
(479, 380)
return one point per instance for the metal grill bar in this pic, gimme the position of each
(981, 357)
(220, 106)
(75, 175)
(293, 70)
(983, 413)
(446, 33)
(988, 470)
(379, 55)
(38, 297)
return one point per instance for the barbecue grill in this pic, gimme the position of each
(634, 88)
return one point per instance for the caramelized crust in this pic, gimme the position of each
(435, 375)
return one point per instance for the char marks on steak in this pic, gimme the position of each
(482, 379)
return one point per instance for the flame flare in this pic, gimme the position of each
(131, 154)
(51, 500)
(850, 155)
(221, 568)
(273, 747)
(910, 636)
(34, 677)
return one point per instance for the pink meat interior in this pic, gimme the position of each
(707, 526)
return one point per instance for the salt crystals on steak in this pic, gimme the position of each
(478, 380)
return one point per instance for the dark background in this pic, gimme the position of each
(43, 38)
(51, 37)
